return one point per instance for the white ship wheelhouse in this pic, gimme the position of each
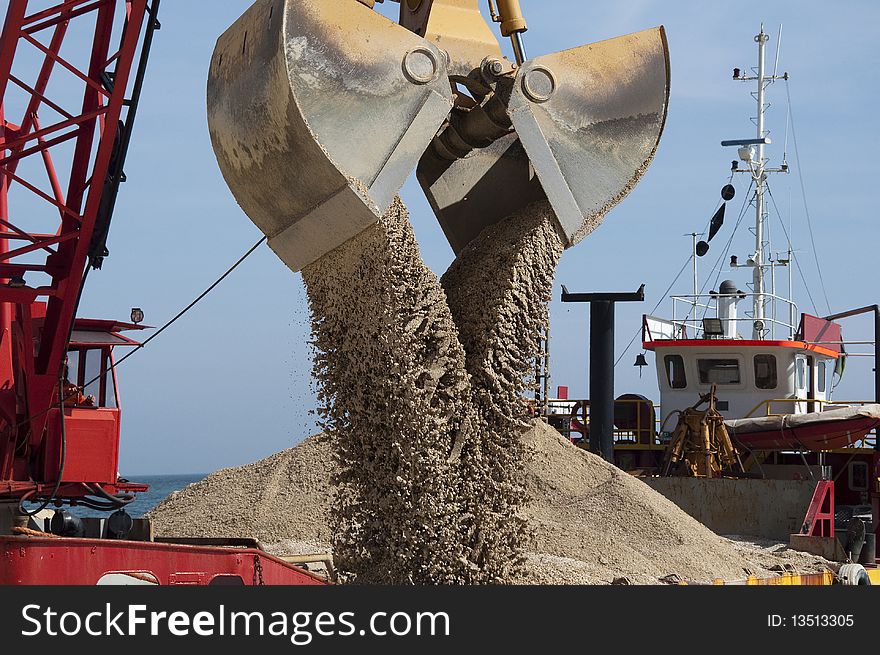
(794, 375)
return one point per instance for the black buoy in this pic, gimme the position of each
(119, 525)
(65, 524)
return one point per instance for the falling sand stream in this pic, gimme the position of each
(421, 387)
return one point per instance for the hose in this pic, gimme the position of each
(119, 500)
(63, 458)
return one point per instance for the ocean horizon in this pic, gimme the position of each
(161, 486)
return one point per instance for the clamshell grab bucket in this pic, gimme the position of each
(320, 109)
(318, 112)
(590, 120)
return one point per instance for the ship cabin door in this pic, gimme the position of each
(820, 382)
(802, 383)
(811, 379)
(811, 385)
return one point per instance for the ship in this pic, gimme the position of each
(804, 466)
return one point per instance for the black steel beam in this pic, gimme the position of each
(638, 296)
(876, 311)
(601, 422)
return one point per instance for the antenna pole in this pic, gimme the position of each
(778, 48)
(758, 330)
(696, 281)
(790, 265)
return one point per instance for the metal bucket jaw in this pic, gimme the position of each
(586, 123)
(318, 112)
(590, 120)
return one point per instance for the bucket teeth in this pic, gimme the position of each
(318, 112)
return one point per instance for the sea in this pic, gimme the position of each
(161, 486)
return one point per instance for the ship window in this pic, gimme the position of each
(91, 367)
(821, 375)
(858, 476)
(801, 371)
(718, 371)
(92, 374)
(765, 371)
(675, 374)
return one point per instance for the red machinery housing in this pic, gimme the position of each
(66, 118)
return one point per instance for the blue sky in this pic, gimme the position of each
(231, 382)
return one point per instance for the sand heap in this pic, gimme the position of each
(421, 387)
(593, 523)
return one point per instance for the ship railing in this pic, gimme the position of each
(780, 406)
(688, 312)
(639, 428)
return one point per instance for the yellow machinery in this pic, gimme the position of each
(319, 110)
(700, 446)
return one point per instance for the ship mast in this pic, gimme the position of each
(760, 176)
(752, 152)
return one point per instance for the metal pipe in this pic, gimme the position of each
(696, 282)
(864, 310)
(875, 500)
(478, 128)
(602, 379)
(758, 308)
(519, 49)
(876, 362)
(852, 312)
(546, 373)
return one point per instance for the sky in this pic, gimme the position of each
(230, 382)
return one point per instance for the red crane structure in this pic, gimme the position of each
(65, 127)
(71, 74)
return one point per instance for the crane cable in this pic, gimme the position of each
(140, 346)
(797, 159)
(186, 309)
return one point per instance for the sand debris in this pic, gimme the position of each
(498, 289)
(593, 523)
(430, 471)
(395, 397)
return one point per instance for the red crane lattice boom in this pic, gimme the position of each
(70, 121)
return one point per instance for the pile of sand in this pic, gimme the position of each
(286, 494)
(593, 523)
